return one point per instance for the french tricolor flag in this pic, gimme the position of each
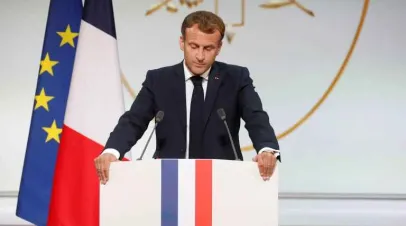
(95, 103)
(172, 192)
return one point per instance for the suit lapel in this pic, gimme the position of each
(179, 92)
(215, 80)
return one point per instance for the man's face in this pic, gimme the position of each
(200, 49)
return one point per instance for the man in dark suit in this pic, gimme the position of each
(190, 94)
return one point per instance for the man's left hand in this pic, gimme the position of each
(266, 164)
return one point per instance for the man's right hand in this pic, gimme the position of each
(102, 164)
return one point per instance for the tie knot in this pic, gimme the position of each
(197, 80)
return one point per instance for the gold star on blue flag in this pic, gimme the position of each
(48, 110)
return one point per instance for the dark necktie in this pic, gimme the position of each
(196, 119)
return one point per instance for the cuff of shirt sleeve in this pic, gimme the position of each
(113, 152)
(276, 152)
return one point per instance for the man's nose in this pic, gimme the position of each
(200, 55)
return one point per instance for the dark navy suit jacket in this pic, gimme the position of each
(229, 87)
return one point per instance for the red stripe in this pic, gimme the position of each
(203, 193)
(75, 195)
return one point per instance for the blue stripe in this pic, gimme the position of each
(169, 193)
(99, 13)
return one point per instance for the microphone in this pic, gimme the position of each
(158, 118)
(222, 115)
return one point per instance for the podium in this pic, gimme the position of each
(184, 192)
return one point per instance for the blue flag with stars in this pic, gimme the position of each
(54, 77)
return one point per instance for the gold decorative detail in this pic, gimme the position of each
(242, 13)
(127, 86)
(171, 7)
(275, 4)
(331, 86)
(230, 33)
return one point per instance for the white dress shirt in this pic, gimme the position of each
(189, 93)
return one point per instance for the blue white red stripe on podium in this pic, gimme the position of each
(180, 192)
(179, 206)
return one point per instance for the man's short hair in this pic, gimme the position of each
(208, 22)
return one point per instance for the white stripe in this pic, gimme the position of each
(187, 192)
(241, 196)
(95, 98)
(133, 194)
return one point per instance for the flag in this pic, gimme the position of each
(94, 106)
(50, 98)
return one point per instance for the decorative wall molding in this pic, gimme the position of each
(8, 194)
(341, 196)
(299, 195)
(298, 209)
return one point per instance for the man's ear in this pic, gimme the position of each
(181, 43)
(219, 47)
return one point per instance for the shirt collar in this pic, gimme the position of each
(188, 74)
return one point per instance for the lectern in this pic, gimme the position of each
(170, 192)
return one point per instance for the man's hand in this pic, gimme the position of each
(102, 164)
(266, 164)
